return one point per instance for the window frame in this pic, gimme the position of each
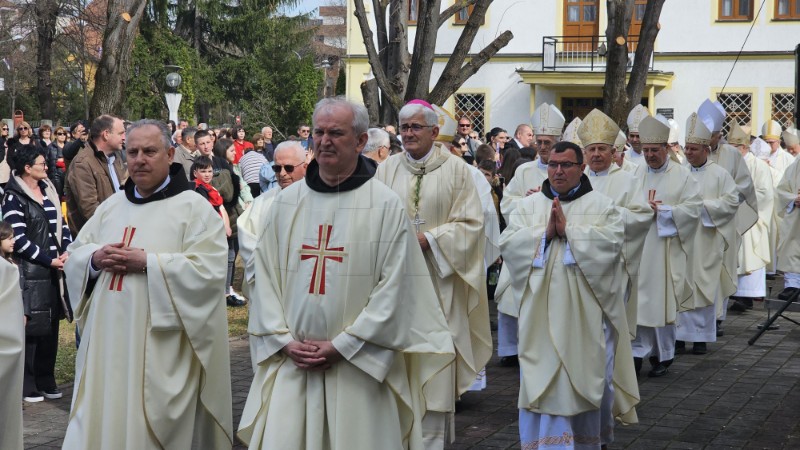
(734, 17)
(794, 11)
(457, 16)
(413, 21)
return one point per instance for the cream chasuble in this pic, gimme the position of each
(628, 166)
(625, 190)
(780, 160)
(12, 360)
(449, 212)
(788, 224)
(248, 225)
(665, 281)
(729, 158)
(637, 159)
(754, 253)
(342, 267)
(717, 232)
(152, 369)
(564, 301)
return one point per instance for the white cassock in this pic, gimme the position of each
(665, 281)
(343, 267)
(778, 162)
(572, 319)
(153, 368)
(712, 281)
(634, 158)
(12, 345)
(625, 190)
(789, 225)
(754, 253)
(450, 216)
(529, 175)
(780, 159)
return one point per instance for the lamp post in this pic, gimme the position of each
(173, 80)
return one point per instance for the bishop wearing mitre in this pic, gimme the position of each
(665, 281)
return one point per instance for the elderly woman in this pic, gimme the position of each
(41, 235)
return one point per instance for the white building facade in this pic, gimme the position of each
(557, 56)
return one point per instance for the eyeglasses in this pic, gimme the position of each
(462, 144)
(43, 164)
(464, 125)
(564, 165)
(61, 133)
(5, 128)
(23, 129)
(415, 127)
(287, 167)
(541, 143)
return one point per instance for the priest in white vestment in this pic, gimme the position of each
(348, 331)
(599, 132)
(787, 204)
(635, 155)
(548, 121)
(779, 159)
(12, 345)
(665, 281)
(754, 253)
(713, 115)
(443, 206)
(563, 246)
(152, 370)
(717, 231)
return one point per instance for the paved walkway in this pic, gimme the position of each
(736, 396)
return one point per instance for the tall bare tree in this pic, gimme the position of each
(619, 96)
(122, 24)
(401, 76)
(45, 15)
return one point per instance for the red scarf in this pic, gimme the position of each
(213, 194)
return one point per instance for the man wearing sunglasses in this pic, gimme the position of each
(563, 245)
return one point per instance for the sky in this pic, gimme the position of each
(306, 6)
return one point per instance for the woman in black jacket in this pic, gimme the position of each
(29, 205)
(55, 159)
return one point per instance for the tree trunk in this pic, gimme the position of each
(419, 79)
(45, 16)
(615, 96)
(369, 91)
(641, 61)
(112, 71)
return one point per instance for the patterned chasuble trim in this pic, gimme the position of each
(321, 253)
(564, 440)
(116, 279)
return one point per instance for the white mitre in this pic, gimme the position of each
(790, 137)
(447, 124)
(635, 117)
(598, 128)
(653, 131)
(712, 114)
(547, 120)
(571, 132)
(621, 141)
(771, 130)
(760, 149)
(696, 131)
(674, 131)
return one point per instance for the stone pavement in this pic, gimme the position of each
(736, 396)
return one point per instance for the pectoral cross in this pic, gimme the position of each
(116, 279)
(417, 221)
(321, 253)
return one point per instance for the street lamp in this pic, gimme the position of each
(173, 97)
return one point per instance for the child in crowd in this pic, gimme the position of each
(203, 172)
(12, 343)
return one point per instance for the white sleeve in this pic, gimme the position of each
(265, 346)
(665, 223)
(443, 267)
(373, 359)
(706, 218)
(569, 258)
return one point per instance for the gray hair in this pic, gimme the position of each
(287, 146)
(360, 114)
(188, 132)
(162, 128)
(377, 138)
(413, 109)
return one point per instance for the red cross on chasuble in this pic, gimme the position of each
(321, 253)
(116, 279)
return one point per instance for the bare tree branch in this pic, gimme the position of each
(374, 60)
(644, 50)
(452, 9)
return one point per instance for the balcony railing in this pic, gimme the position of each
(581, 52)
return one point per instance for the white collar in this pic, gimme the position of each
(421, 160)
(160, 188)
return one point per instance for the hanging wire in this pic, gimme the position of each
(743, 44)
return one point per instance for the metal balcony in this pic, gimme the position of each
(581, 53)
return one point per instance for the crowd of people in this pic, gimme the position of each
(370, 257)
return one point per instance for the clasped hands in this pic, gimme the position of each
(118, 258)
(312, 355)
(557, 224)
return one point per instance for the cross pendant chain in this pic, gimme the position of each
(417, 221)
